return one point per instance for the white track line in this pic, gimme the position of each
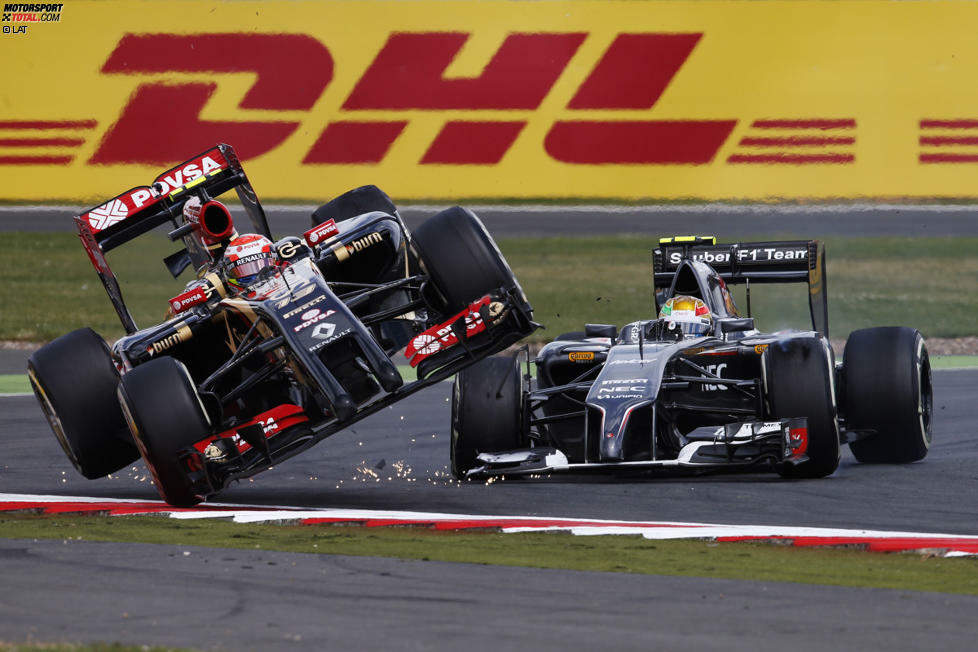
(948, 544)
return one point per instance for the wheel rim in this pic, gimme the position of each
(925, 404)
(49, 413)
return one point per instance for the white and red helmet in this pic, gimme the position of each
(245, 256)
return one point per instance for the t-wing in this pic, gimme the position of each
(143, 208)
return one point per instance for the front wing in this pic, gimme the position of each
(734, 445)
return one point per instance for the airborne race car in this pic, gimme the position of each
(239, 378)
(651, 398)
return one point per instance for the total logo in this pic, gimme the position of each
(314, 316)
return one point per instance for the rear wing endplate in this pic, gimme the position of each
(784, 261)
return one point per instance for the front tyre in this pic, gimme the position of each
(888, 389)
(166, 417)
(75, 380)
(799, 378)
(461, 259)
(487, 407)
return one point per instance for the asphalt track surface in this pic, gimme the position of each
(727, 221)
(231, 599)
(398, 459)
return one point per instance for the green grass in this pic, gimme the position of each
(920, 282)
(50, 287)
(14, 384)
(619, 554)
(954, 361)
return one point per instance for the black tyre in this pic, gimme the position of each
(571, 336)
(358, 201)
(487, 402)
(799, 376)
(75, 382)
(166, 416)
(887, 383)
(461, 259)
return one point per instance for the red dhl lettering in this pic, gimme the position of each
(293, 71)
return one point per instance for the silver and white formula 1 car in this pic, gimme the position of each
(701, 390)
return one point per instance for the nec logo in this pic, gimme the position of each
(293, 71)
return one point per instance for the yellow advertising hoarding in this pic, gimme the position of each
(496, 98)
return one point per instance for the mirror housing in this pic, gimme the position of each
(601, 330)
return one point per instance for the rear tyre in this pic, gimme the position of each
(358, 201)
(799, 377)
(461, 259)
(571, 336)
(888, 389)
(487, 407)
(75, 380)
(166, 416)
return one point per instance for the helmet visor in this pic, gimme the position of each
(245, 268)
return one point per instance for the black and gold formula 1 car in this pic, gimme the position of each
(651, 396)
(241, 376)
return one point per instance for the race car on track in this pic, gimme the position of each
(699, 387)
(274, 345)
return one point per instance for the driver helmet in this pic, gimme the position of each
(245, 256)
(689, 314)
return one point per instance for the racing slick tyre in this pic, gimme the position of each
(461, 259)
(166, 416)
(487, 407)
(358, 201)
(75, 381)
(799, 377)
(887, 388)
(571, 336)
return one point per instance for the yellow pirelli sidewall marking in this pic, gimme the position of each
(757, 100)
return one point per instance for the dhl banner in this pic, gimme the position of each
(455, 99)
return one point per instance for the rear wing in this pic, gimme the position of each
(783, 261)
(144, 208)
